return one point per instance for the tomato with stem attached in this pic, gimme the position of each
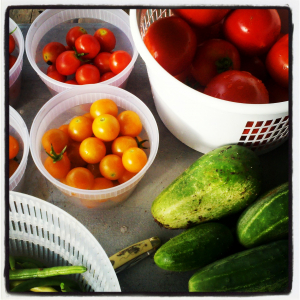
(80, 178)
(56, 138)
(13, 147)
(80, 128)
(88, 45)
(68, 62)
(92, 150)
(106, 127)
(111, 167)
(130, 123)
(106, 38)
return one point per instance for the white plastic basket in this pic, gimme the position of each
(15, 71)
(200, 121)
(41, 230)
(62, 108)
(53, 25)
(18, 129)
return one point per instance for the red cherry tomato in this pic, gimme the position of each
(118, 61)
(255, 66)
(106, 38)
(87, 74)
(212, 58)
(172, 43)
(12, 60)
(73, 34)
(54, 74)
(106, 76)
(88, 45)
(67, 63)
(51, 52)
(252, 31)
(101, 61)
(12, 44)
(201, 17)
(72, 81)
(238, 86)
(277, 61)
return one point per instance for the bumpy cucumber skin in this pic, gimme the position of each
(219, 183)
(260, 269)
(194, 248)
(266, 220)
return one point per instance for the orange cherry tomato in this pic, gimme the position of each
(130, 123)
(80, 128)
(13, 166)
(111, 167)
(88, 115)
(102, 183)
(80, 178)
(74, 156)
(58, 169)
(55, 137)
(65, 128)
(106, 127)
(126, 176)
(134, 159)
(104, 106)
(94, 168)
(122, 143)
(92, 150)
(13, 147)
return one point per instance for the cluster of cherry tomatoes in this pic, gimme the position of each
(11, 48)
(238, 55)
(87, 59)
(97, 150)
(13, 150)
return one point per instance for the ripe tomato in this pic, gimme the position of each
(73, 34)
(237, 86)
(134, 159)
(106, 76)
(72, 81)
(64, 128)
(102, 183)
(103, 106)
(210, 32)
(101, 61)
(106, 127)
(87, 74)
(54, 74)
(80, 128)
(51, 52)
(74, 156)
(67, 63)
(252, 31)
(126, 176)
(88, 115)
(172, 43)
(12, 166)
(55, 137)
(92, 150)
(80, 178)
(11, 44)
(277, 93)
(118, 61)
(12, 60)
(58, 168)
(122, 143)
(13, 147)
(255, 66)
(200, 17)
(111, 167)
(212, 58)
(88, 45)
(94, 168)
(106, 38)
(277, 61)
(130, 123)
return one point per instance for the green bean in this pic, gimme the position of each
(43, 289)
(45, 272)
(14, 283)
(23, 259)
(64, 288)
(12, 262)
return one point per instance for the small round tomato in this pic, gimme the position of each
(88, 45)
(118, 61)
(255, 66)
(88, 115)
(73, 34)
(87, 74)
(13, 166)
(58, 168)
(102, 183)
(94, 168)
(51, 52)
(12, 44)
(103, 106)
(106, 127)
(80, 128)
(54, 74)
(134, 159)
(211, 32)
(64, 128)
(237, 86)
(172, 43)
(11, 60)
(122, 143)
(13, 147)
(56, 138)
(72, 81)
(126, 176)
(101, 61)
(74, 156)
(111, 167)
(106, 76)
(106, 38)
(67, 63)
(92, 150)
(130, 123)
(80, 178)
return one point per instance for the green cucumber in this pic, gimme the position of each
(266, 220)
(194, 248)
(260, 269)
(221, 182)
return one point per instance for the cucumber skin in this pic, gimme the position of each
(260, 269)
(219, 183)
(194, 248)
(266, 220)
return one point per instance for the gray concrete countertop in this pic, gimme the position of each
(134, 214)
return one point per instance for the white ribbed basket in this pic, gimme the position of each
(41, 230)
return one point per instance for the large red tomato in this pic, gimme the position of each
(201, 17)
(237, 86)
(172, 43)
(252, 31)
(277, 61)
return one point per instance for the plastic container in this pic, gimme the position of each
(62, 108)
(18, 129)
(200, 121)
(53, 25)
(43, 231)
(15, 75)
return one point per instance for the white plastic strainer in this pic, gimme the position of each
(41, 230)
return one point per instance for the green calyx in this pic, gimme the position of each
(224, 64)
(56, 157)
(79, 55)
(13, 31)
(140, 143)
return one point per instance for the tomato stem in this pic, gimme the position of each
(78, 55)
(224, 64)
(13, 31)
(56, 157)
(140, 143)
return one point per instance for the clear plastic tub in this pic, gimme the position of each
(15, 75)
(18, 129)
(53, 25)
(43, 231)
(62, 108)
(200, 121)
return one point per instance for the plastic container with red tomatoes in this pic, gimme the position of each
(62, 108)
(54, 24)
